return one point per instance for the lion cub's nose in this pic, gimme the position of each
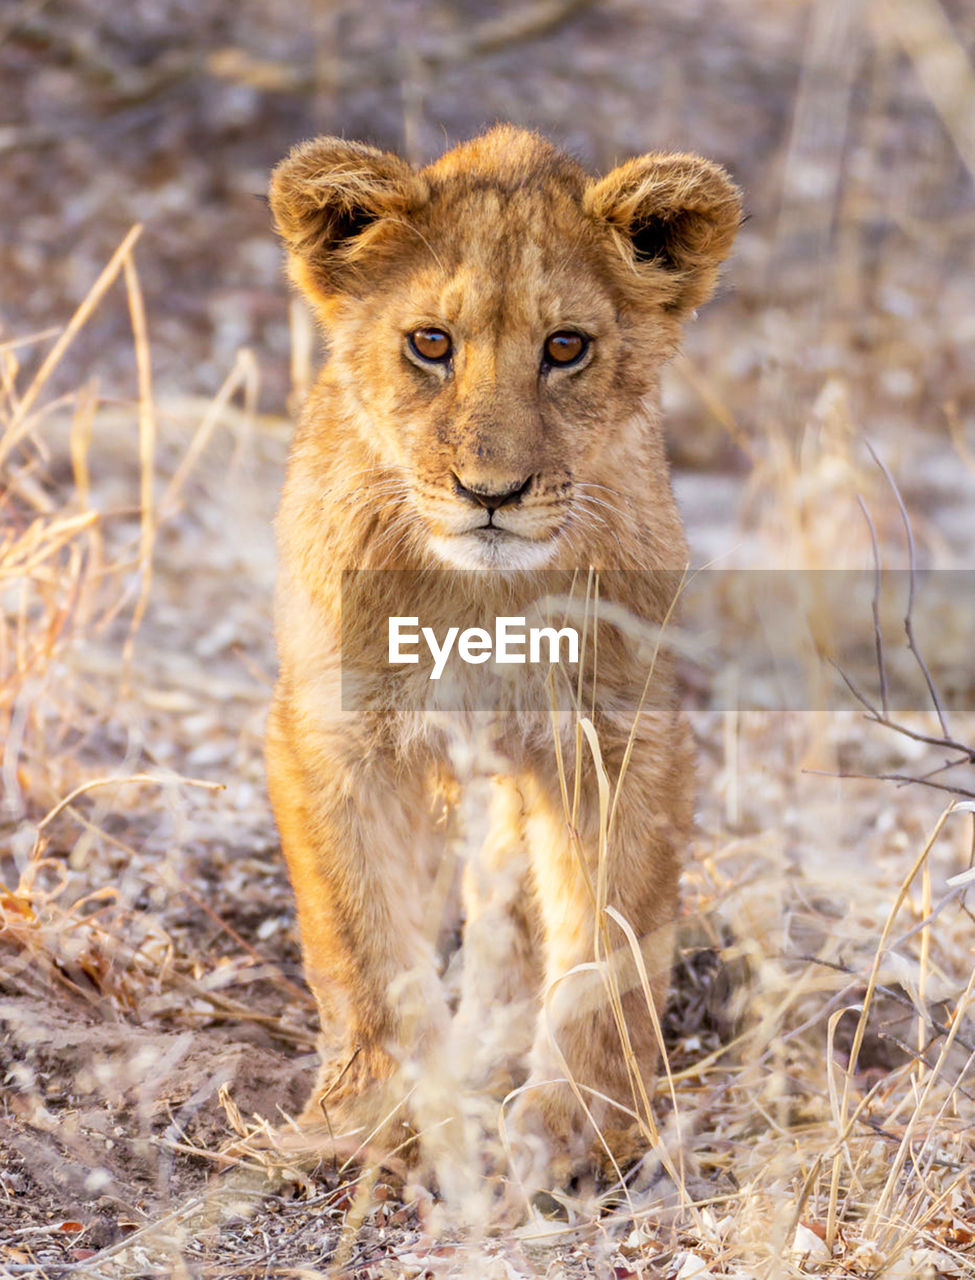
(491, 500)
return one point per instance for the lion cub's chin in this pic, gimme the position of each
(492, 549)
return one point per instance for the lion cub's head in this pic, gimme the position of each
(497, 321)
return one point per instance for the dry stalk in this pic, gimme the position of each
(19, 423)
(147, 452)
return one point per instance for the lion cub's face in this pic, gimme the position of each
(497, 321)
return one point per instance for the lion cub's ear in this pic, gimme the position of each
(330, 199)
(678, 214)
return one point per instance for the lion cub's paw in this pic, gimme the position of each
(553, 1144)
(349, 1087)
(358, 1108)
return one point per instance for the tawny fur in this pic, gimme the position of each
(501, 242)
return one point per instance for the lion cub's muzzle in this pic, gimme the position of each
(526, 507)
(499, 522)
(492, 497)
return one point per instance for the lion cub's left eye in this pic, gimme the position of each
(431, 344)
(564, 348)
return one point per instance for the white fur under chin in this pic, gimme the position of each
(492, 549)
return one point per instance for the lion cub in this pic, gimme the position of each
(486, 420)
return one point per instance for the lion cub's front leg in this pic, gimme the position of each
(596, 1039)
(357, 844)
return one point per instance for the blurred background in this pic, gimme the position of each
(849, 123)
(148, 953)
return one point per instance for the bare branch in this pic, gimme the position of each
(877, 633)
(912, 567)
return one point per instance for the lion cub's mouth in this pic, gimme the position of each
(471, 530)
(491, 547)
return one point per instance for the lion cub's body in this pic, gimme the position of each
(496, 458)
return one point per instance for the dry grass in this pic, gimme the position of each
(815, 1114)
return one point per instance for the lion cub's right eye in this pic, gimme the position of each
(431, 344)
(563, 348)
